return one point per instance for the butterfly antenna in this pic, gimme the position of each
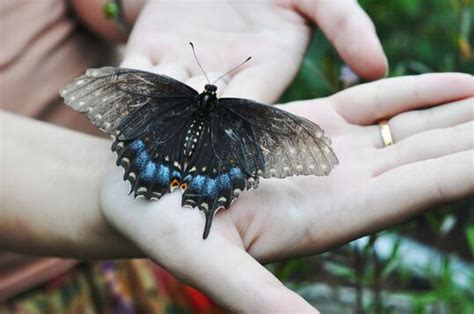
(232, 70)
(199, 63)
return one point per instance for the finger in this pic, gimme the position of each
(137, 61)
(426, 145)
(351, 32)
(141, 62)
(413, 122)
(174, 70)
(409, 123)
(405, 191)
(263, 83)
(231, 277)
(368, 103)
(172, 236)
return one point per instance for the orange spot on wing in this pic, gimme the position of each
(174, 184)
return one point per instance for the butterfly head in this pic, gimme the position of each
(207, 99)
(210, 89)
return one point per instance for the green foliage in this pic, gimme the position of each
(319, 73)
(470, 238)
(111, 10)
(424, 36)
(291, 267)
(445, 295)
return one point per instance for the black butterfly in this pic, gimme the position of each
(168, 136)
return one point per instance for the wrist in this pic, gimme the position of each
(49, 192)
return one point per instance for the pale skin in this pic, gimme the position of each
(283, 217)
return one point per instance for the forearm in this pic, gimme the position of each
(92, 15)
(49, 192)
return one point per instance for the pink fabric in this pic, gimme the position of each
(19, 273)
(42, 48)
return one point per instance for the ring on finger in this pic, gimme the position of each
(385, 133)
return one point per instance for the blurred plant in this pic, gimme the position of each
(445, 296)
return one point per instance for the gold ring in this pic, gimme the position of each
(386, 134)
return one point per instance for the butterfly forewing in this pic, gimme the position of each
(290, 145)
(110, 95)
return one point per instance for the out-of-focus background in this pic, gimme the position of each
(425, 265)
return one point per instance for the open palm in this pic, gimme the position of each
(372, 188)
(274, 33)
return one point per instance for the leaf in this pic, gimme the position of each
(340, 270)
(470, 238)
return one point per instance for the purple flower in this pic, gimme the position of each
(347, 76)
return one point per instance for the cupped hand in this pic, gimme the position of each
(274, 33)
(431, 118)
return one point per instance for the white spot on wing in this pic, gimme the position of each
(142, 189)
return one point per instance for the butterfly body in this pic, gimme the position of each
(167, 136)
(207, 99)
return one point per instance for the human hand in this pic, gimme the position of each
(275, 33)
(373, 188)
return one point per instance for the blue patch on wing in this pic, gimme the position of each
(137, 145)
(164, 175)
(208, 187)
(235, 172)
(211, 187)
(223, 181)
(176, 174)
(142, 160)
(150, 170)
(197, 184)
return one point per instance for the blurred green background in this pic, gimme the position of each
(418, 36)
(423, 266)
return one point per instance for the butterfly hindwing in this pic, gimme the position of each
(152, 158)
(150, 174)
(214, 175)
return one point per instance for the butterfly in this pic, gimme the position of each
(168, 136)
